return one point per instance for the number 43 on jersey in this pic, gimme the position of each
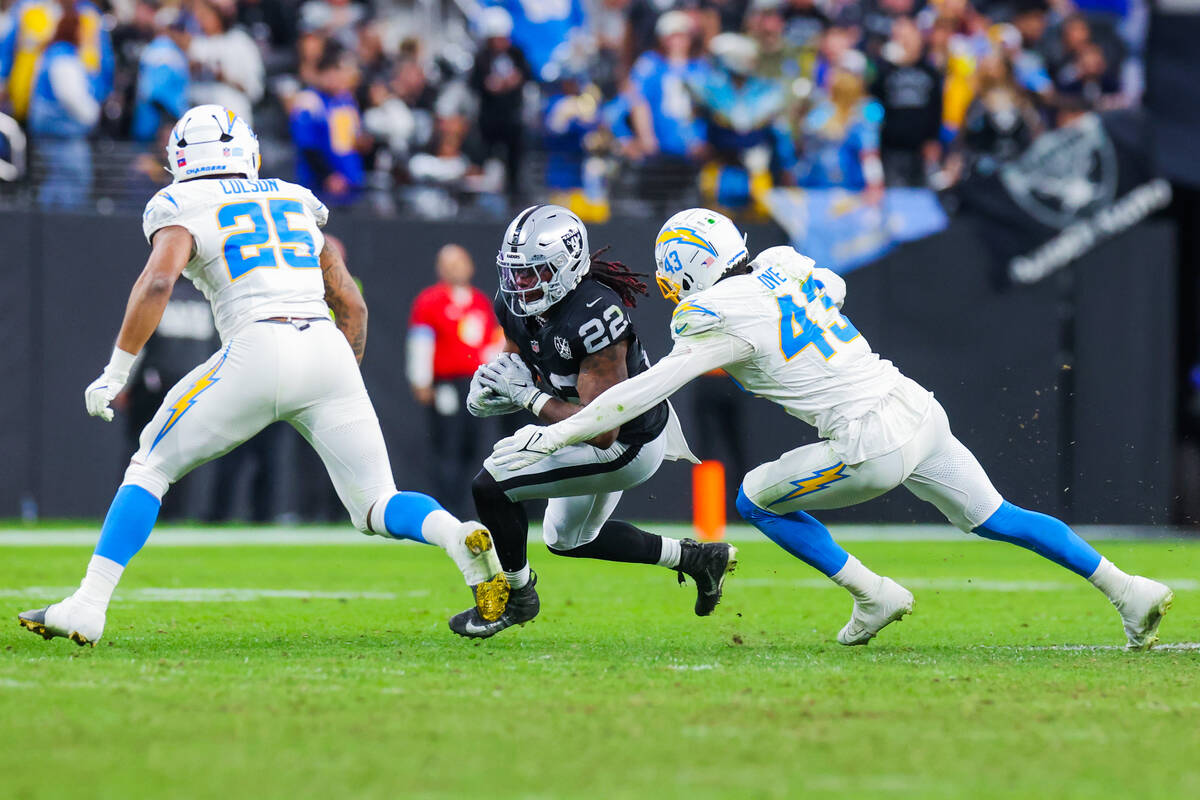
(797, 331)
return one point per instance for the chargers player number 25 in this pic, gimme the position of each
(246, 250)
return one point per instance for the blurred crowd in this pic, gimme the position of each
(435, 107)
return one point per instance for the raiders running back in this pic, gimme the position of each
(554, 344)
(569, 337)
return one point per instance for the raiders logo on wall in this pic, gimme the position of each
(1065, 174)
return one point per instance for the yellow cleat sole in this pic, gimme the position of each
(35, 627)
(491, 597)
(46, 633)
(478, 542)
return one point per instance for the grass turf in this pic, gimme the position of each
(617, 690)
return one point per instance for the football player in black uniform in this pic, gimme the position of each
(568, 339)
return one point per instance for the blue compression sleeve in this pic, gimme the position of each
(1043, 534)
(405, 512)
(798, 533)
(130, 519)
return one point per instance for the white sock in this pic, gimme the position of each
(97, 586)
(856, 579)
(440, 527)
(669, 557)
(1110, 580)
(519, 578)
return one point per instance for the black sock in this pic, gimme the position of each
(507, 521)
(619, 541)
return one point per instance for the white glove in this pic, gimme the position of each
(483, 402)
(509, 378)
(526, 447)
(112, 380)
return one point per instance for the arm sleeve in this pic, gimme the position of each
(628, 399)
(71, 87)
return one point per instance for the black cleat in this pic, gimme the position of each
(707, 563)
(523, 605)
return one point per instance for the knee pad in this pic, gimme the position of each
(148, 478)
(561, 538)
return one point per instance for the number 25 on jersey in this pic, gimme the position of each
(247, 250)
(797, 331)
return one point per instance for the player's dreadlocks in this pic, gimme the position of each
(618, 277)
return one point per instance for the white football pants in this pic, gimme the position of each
(304, 373)
(933, 465)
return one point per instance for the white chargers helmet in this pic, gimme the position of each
(212, 140)
(693, 250)
(543, 257)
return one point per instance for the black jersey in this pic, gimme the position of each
(587, 320)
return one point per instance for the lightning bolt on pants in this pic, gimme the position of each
(269, 372)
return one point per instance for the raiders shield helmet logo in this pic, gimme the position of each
(573, 242)
(563, 347)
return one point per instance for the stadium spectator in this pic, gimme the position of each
(572, 133)
(539, 27)
(227, 67)
(499, 78)
(804, 23)
(841, 135)
(910, 91)
(337, 20)
(669, 138)
(451, 331)
(162, 84)
(999, 123)
(326, 130)
(745, 131)
(62, 112)
(32, 24)
(450, 169)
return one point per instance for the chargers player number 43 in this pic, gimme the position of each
(797, 331)
(295, 247)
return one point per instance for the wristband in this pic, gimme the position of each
(120, 364)
(539, 402)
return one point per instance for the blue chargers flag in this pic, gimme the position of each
(838, 229)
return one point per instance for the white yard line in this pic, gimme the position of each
(199, 536)
(174, 594)
(209, 595)
(1087, 648)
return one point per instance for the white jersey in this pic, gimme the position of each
(780, 334)
(256, 246)
(806, 356)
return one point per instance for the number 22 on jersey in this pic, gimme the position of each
(247, 250)
(797, 331)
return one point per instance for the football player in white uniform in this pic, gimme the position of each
(255, 249)
(775, 325)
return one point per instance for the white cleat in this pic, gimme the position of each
(475, 554)
(70, 619)
(1142, 604)
(889, 602)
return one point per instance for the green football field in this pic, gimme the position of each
(283, 670)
